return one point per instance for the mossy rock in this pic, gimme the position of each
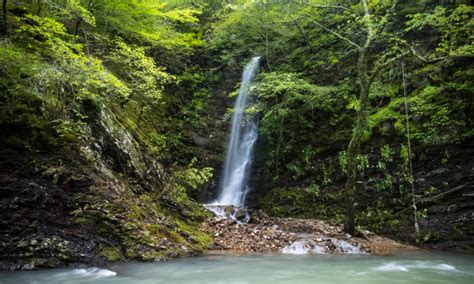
(111, 253)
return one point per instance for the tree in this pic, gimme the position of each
(364, 27)
(145, 80)
(4, 27)
(146, 21)
(372, 29)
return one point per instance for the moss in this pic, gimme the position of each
(204, 240)
(152, 255)
(429, 236)
(84, 220)
(111, 253)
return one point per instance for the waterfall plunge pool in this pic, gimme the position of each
(228, 269)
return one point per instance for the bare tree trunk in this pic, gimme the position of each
(78, 26)
(4, 28)
(305, 37)
(361, 123)
(354, 145)
(38, 11)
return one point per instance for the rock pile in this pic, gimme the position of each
(229, 235)
(265, 234)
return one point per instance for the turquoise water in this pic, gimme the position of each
(409, 268)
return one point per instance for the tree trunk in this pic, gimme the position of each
(4, 27)
(356, 139)
(78, 26)
(39, 8)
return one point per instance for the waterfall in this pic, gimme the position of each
(234, 188)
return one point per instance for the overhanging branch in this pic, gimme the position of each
(334, 33)
(424, 59)
(325, 6)
(380, 67)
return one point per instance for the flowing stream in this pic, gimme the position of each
(242, 139)
(410, 268)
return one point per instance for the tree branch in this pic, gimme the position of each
(308, 42)
(380, 67)
(424, 59)
(334, 33)
(325, 6)
(370, 25)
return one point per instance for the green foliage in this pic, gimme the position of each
(164, 69)
(455, 29)
(440, 105)
(146, 20)
(83, 76)
(193, 179)
(289, 105)
(138, 70)
(111, 253)
(20, 100)
(379, 218)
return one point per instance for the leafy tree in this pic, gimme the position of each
(148, 21)
(145, 80)
(290, 104)
(367, 27)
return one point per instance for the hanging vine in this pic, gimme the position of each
(412, 179)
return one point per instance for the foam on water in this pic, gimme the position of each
(433, 266)
(346, 247)
(444, 266)
(308, 246)
(92, 272)
(393, 266)
(302, 247)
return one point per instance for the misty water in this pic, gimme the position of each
(242, 138)
(408, 268)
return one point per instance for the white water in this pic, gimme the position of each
(272, 269)
(92, 273)
(242, 139)
(229, 212)
(303, 247)
(394, 266)
(308, 246)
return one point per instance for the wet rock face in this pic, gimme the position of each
(83, 220)
(116, 148)
(90, 203)
(449, 223)
(35, 231)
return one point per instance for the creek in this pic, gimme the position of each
(405, 268)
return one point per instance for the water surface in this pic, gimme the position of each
(411, 268)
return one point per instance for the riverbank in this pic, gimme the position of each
(264, 234)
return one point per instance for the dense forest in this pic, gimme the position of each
(115, 115)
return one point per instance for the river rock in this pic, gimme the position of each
(269, 235)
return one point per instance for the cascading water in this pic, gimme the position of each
(242, 139)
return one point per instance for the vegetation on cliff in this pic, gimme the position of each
(114, 114)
